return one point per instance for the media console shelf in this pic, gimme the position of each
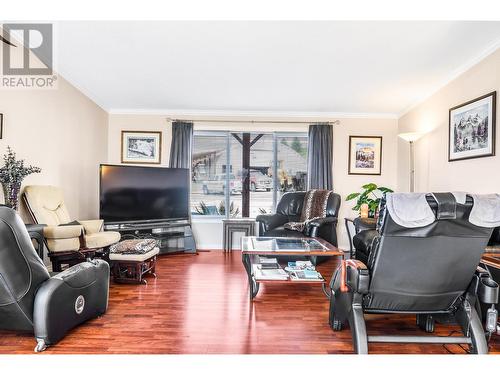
(172, 236)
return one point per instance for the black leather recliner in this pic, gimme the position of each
(31, 300)
(289, 209)
(430, 271)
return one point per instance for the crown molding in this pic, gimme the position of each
(453, 75)
(250, 114)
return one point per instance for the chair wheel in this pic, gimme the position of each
(40, 346)
(426, 322)
(336, 325)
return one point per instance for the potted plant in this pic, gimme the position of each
(12, 175)
(370, 196)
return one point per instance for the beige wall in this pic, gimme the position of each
(209, 232)
(433, 171)
(64, 133)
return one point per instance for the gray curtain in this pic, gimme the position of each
(180, 149)
(320, 156)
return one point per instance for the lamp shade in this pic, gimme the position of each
(411, 137)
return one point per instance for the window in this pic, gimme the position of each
(256, 168)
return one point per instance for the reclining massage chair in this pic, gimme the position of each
(429, 269)
(31, 300)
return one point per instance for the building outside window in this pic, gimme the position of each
(277, 163)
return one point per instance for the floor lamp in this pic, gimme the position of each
(411, 138)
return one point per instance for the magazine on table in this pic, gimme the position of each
(305, 275)
(300, 265)
(269, 274)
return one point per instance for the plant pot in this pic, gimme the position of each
(11, 192)
(364, 211)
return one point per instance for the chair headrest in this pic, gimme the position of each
(413, 210)
(446, 206)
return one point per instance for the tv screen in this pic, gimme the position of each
(131, 194)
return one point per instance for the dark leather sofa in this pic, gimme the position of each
(430, 271)
(289, 209)
(31, 300)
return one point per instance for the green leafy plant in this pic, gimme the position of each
(203, 209)
(233, 211)
(370, 195)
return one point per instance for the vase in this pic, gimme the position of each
(11, 194)
(364, 210)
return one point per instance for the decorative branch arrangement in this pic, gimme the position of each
(12, 175)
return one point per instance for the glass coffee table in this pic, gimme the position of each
(253, 247)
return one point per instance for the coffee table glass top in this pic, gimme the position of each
(285, 245)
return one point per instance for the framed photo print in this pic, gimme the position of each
(365, 155)
(472, 129)
(140, 147)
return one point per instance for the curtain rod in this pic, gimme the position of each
(336, 122)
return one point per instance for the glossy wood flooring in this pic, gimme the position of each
(199, 304)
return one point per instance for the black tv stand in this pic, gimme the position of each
(173, 236)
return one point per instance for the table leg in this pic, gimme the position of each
(325, 290)
(252, 284)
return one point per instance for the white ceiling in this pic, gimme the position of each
(274, 66)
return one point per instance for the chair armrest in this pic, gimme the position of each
(313, 226)
(270, 221)
(35, 232)
(92, 226)
(59, 232)
(70, 298)
(323, 221)
(355, 276)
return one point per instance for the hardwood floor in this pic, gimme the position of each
(199, 304)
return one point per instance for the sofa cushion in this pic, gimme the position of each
(283, 232)
(62, 232)
(46, 203)
(65, 244)
(92, 226)
(101, 239)
(134, 257)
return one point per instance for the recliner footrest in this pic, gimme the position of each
(70, 298)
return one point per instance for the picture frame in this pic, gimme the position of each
(365, 155)
(472, 129)
(141, 147)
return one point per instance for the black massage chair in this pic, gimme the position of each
(31, 300)
(430, 271)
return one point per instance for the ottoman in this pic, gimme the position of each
(131, 268)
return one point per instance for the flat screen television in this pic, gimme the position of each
(130, 194)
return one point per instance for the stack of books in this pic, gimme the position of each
(303, 271)
(269, 269)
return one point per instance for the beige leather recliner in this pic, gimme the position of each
(46, 206)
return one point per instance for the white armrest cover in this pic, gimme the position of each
(62, 232)
(92, 226)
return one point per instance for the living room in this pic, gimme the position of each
(249, 186)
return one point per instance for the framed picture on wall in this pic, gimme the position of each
(365, 155)
(140, 147)
(472, 129)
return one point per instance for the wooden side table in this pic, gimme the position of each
(230, 226)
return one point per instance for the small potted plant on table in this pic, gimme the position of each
(368, 200)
